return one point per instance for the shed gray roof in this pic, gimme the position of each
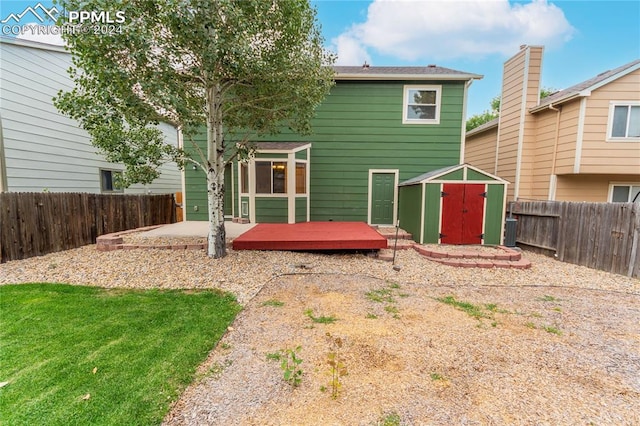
(430, 72)
(428, 175)
(434, 174)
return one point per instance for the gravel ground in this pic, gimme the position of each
(560, 346)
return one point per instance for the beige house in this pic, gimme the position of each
(578, 144)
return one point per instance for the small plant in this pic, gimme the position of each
(436, 376)
(530, 325)
(371, 316)
(391, 309)
(336, 368)
(274, 356)
(394, 285)
(557, 309)
(321, 319)
(290, 365)
(552, 330)
(273, 302)
(225, 346)
(471, 309)
(391, 419)
(217, 369)
(547, 298)
(492, 307)
(380, 296)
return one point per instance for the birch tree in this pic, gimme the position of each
(230, 69)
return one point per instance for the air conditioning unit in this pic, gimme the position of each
(510, 232)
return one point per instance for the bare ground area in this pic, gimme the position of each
(555, 344)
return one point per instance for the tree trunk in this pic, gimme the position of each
(215, 175)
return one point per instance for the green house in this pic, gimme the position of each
(454, 205)
(377, 127)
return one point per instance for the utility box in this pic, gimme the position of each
(510, 229)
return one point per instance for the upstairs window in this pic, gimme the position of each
(624, 121)
(421, 105)
(109, 181)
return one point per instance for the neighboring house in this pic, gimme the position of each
(579, 144)
(43, 150)
(378, 126)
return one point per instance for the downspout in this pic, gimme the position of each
(463, 139)
(553, 178)
(4, 186)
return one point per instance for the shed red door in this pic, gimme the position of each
(462, 213)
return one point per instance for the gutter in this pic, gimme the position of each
(394, 77)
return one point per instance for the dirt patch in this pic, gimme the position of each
(426, 354)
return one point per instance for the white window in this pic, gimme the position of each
(624, 193)
(624, 121)
(271, 177)
(421, 104)
(109, 180)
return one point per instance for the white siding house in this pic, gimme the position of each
(43, 150)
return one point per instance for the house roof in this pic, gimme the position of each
(435, 174)
(581, 89)
(430, 72)
(486, 126)
(584, 88)
(281, 146)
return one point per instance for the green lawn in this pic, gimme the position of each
(84, 355)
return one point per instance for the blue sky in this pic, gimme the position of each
(581, 38)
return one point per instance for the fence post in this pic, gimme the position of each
(634, 245)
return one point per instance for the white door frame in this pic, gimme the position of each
(396, 173)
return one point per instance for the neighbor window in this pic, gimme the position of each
(301, 178)
(271, 177)
(624, 121)
(109, 181)
(622, 193)
(421, 105)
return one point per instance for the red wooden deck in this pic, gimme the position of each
(311, 236)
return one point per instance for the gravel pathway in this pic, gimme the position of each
(243, 273)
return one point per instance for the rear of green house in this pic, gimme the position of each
(379, 126)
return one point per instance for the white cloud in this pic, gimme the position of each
(48, 34)
(429, 30)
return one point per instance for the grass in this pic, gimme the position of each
(273, 302)
(380, 296)
(472, 310)
(81, 355)
(321, 319)
(391, 419)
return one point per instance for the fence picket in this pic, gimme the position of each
(598, 235)
(33, 224)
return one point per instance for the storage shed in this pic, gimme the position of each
(459, 204)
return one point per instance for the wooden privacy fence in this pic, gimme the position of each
(598, 235)
(33, 224)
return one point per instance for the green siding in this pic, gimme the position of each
(359, 127)
(410, 201)
(271, 210)
(301, 209)
(432, 214)
(301, 155)
(473, 175)
(454, 175)
(493, 216)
